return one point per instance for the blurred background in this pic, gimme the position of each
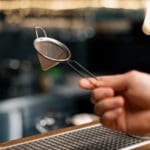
(105, 36)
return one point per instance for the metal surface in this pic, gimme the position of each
(93, 137)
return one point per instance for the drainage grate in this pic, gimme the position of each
(90, 138)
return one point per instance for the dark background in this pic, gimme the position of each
(106, 41)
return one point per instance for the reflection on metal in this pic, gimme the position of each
(146, 24)
(70, 4)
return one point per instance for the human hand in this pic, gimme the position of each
(122, 100)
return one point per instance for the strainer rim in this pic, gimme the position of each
(57, 43)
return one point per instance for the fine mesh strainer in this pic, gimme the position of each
(52, 52)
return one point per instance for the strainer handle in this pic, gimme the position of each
(78, 68)
(36, 31)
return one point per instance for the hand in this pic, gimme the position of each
(122, 100)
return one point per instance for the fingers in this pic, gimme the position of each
(101, 93)
(108, 104)
(115, 119)
(111, 110)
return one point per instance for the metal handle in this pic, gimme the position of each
(78, 68)
(36, 31)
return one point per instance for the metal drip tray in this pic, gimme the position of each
(94, 137)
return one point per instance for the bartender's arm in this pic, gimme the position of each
(122, 101)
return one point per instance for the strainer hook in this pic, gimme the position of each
(36, 31)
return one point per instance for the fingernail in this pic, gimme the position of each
(84, 81)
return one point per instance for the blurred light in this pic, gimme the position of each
(70, 4)
(109, 3)
(146, 24)
(123, 4)
(114, 26)
(46, 4)
(14, 64)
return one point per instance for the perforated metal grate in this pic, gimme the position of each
(91, 138)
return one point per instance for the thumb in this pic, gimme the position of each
(117, 82)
